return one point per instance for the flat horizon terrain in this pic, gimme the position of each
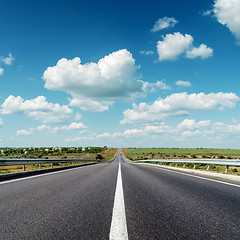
(184, 150)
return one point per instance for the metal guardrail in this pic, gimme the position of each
(23, 162)
(209, 162)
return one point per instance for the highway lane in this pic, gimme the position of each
(162, 204)
(159, 204)
(74, 204)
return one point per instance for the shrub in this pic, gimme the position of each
(99, 156)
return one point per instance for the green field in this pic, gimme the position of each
(214, 151)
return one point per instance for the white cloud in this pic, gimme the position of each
(207, 13)
(191, 133)
(72, 126)
(227, 13)
(220, 127)
(7, 60)
(204, 132)
(163, 23)
(104, 135)
(158, 129)
(88, 104)
(174, 45)
(133, 133)
(1, 71)
(23, 132)
(147, 52)
(78, 116)
(96, 86)
(129, 133)
(183, 83)
(1, 122)
(203, 52)
(192, 124)
(79, 139)
(76, 139)
(45, 128)
(37, 108)
(152, 87)
(179, 104)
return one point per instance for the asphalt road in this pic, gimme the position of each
(79, 203)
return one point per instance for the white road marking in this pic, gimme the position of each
(208, 179)
(40, 175)
(118, 229)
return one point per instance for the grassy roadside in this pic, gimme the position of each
(181, 153)
(106, 155)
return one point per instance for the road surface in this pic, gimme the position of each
(148, 203)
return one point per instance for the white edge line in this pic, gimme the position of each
(40, 175)
(208, 179)
(118, 230)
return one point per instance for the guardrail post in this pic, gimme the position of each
(176, 165)
(226, 169)
(194, 166)
(23, 167)
(51, 165)
(184, 165)
(60, 164)
(40, 165)
(208, 167)
(170, 164)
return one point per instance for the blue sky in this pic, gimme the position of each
(120, 73)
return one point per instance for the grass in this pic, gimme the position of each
(184, 151)
(107, 155)
(181, 153)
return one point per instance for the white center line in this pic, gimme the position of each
(118, 229)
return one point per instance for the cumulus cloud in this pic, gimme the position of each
(37, 108)
(48, 129)
(203, 52)
(1, 122)
(7, 60)
(227, 13)
(72, 126)
(174, 45)
(191, 133)
(159, 129)
(192, 124)
(129, 133)
(183, 83)
(179, 104)
(183, 131)
(96, 86)
(220, 127)
(163, 23)
(23, 132)
(152, 87)
(1, 71)
(88, 104)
